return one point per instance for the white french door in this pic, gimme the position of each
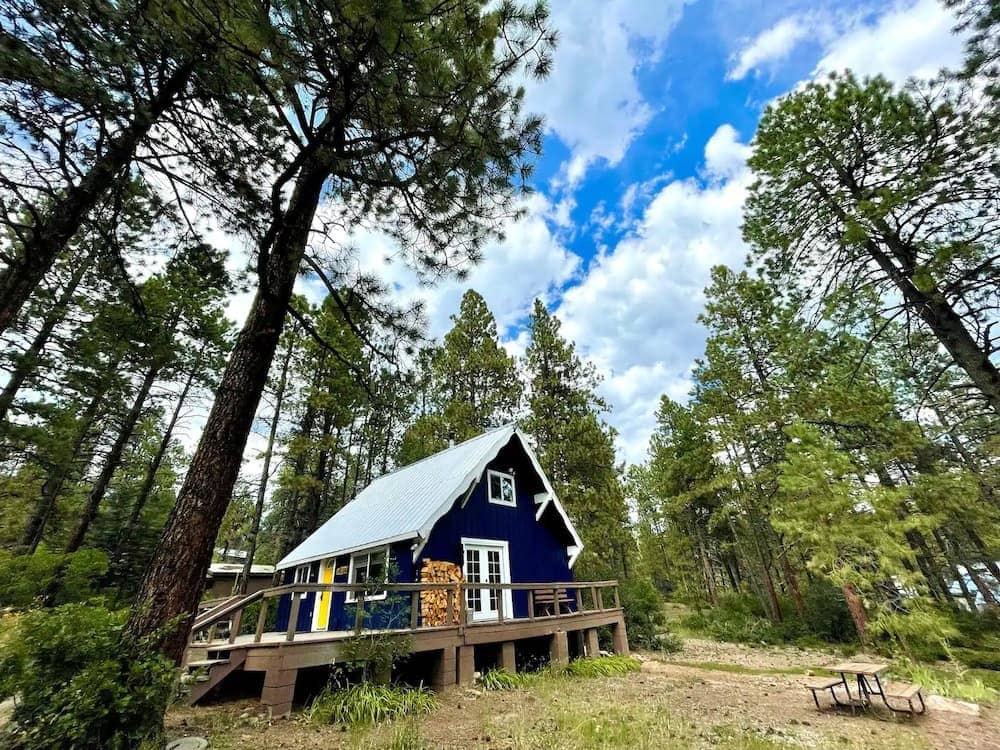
(486, 561)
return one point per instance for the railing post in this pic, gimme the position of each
(359, 616)
(293, 616)
(499, 591)
(450, 608)
(555, 601)
(593, 597)
(414, 609)
(235, 623)
(618, 604)
(600, 598)
(531, 604)
(463, 604)
(261, 620)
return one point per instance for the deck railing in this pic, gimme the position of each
(589, 596)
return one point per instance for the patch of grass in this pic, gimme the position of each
(502, 679)
(963, 684)
(405, 736)
(740, 669)
(603, 666)
(368, 703)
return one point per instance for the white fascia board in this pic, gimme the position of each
(578, 543)
(287, 563)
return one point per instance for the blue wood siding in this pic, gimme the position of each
(391, 613)
(537, 549)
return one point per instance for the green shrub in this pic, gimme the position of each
(369, 703)
(645, 617)
(667, 643)
(978, 658)
(501, 679)
(827, 616)
(603, 666)
(77, 686)
(24, 579)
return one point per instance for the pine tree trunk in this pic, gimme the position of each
(52, 488)
(931, 305)
(149, 479)
(793, 583)
(111, 463)
(28, 361)
(169, 594)
(857, 609)
(265, 474)
(314, 500)
(67, 212)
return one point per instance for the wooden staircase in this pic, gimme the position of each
(220, 667)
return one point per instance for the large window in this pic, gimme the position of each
(501, 488)
(371, 567)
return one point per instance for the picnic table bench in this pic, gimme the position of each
(870, 686)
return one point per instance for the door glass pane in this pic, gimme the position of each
(474, 597)
(493, 572)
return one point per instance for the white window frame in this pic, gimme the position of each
(351, 597)
(490, 473)
(301, 574)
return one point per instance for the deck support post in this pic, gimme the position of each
(591, 646)
(559, 648)
(466, 665)
(444, 671)
(279, 689)
(620, 637)
(508, 656)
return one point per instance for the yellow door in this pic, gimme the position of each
(321, 620)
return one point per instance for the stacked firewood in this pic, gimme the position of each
(434, 604)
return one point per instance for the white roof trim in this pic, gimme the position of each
(347, 551)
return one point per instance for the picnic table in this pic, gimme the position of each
(868, 676)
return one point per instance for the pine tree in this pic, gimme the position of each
(575, 448)
(474, 384)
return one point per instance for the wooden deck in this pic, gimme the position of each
(279, 655)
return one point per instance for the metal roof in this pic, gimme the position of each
(406, 503)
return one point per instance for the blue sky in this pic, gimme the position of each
(650, 110)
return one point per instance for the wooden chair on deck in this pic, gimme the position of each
(545, 601)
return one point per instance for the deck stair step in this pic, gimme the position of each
(218, 670)
(205, 663)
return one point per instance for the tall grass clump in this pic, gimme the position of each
(369, 703)
(502, 679)
(603, 666)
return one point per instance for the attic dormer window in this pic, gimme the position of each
(501, 488)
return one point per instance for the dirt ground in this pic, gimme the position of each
(668, 704)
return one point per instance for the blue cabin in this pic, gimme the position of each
(484, 505)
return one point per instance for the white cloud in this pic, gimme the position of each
(591, 100)
(911, 39)
(635, 312)
(900, 39)
(770, 46)
(529, 262)
(725, 155)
